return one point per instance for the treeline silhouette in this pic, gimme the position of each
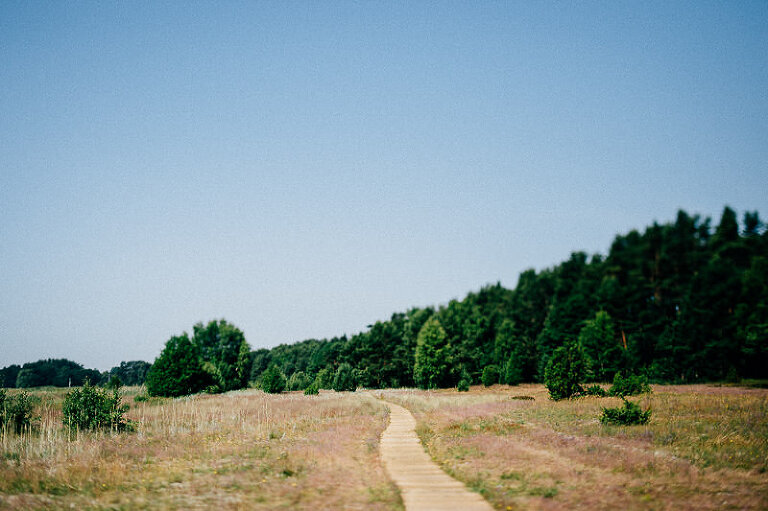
(677, 302)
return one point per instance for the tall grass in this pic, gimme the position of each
(239, 450)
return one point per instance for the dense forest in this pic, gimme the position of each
(678, 302)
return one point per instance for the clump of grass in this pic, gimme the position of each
(628, 415)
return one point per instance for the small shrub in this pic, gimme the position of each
(628, 415)
(114, 382)
(312, 389)
(93, 408)
(463, 385)
(629, 385)
(344, 379)
(490, 375)
(16, 411)
(273, 380)
(595, 390)
(564, 371)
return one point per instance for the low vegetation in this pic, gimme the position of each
(705, 447)
(239, 450)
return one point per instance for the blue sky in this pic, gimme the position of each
(304, 169)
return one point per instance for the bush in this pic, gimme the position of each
(463, 385)
(273, 380)
(564, 371)
(629, 385)
(94, 408)
(16, 411)
(298, 381)
(324, 378)
(178, 370)
(595, 390)
(629, 414)
(344, 379)
(312, 389)
(490, 375)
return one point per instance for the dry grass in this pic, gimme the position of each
(705, 448)
(242, 450)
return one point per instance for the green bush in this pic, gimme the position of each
(312, 389)
(273, 380)
(178, 370)
(595, 390)
(629, 385)
(16, 411)
(344, 379)
(564, 371)
(628, 415)
(324, 378)
(490, 375)
(463, 385)
(93, 408)
(298, 381)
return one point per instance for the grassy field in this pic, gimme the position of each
(242, 450)
(706, 447)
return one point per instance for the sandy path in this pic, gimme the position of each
(423, 485)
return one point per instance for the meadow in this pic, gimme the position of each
(241, 450)
(706, 447)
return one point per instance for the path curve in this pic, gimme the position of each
(423, 485)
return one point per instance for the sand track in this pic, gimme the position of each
(423, 485)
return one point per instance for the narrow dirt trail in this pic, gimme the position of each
(423, 485)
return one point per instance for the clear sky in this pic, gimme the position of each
(304, 169)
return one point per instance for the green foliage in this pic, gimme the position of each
(463, 385)
(344, 379)
(298, 381)
(432, 359)
(312, 389)
(114, 382)
(490, 375)
(683, 301)
(131, 373)
(16, 411)
(273, 380)
(56, 373)
(629, 414)
(601, 347)
(628, 385)
(8, 376)
(225, 352)
(564, 371)
(91, 408)
(595, 390)
(178, 370)
(324, 378)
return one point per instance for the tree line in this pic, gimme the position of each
(678, 302)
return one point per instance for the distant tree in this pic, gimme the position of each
(273, 380)
(344, 379)
(565, 371)
(298, 381)
(56, 373)
(324, 378)
(178, 370)
(131, 373)
(432, 366)
(225, 353)
(8, 376)
(601, 347)
(490, 375)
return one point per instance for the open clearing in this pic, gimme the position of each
(706, 447)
